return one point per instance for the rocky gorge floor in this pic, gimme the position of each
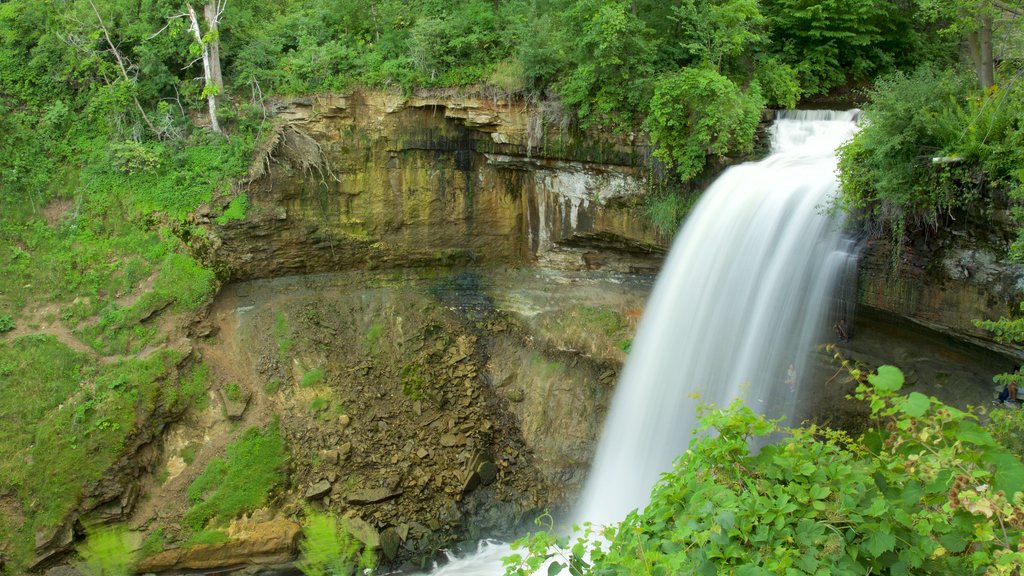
(429, 408)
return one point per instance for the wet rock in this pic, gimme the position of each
(390, 540)
(363, 531)
(488, 472)
(318, 490)
(51, 545)
(61, 571)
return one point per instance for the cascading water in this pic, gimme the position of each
(740, 299)
(738, 305)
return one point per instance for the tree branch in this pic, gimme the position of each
(120, 64)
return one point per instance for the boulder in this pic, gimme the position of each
(371, 495)
(318, 490)
(264, 543)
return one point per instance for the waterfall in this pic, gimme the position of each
(743, 296)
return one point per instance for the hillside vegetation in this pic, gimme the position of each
(118, 119)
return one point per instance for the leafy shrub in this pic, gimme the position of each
(6, 323)
(887, 169)
(131, 156)
(925, 491)
(696, 112)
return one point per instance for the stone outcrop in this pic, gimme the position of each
(947, 279)
(374, 180)
(250, 544)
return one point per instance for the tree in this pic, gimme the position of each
(977, 22)
(696, 113)
(206, 47)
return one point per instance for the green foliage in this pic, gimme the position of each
(131, 157)
(153, 544)
(63, 423)
(667, 211)
(272, 386)
(911, 119)
(108, 552)
(413, 381)
(6, 323)
(832, 42)
(697, 112)
(318, 404)
(189, 452)
(328, 548)
(613, 53)
(207, 537)
(241, 482)
(233, 392)
(313, 377)
(236, 210)
(714, 33)
(925, 491)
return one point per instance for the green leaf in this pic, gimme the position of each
(973, 434)
(953, 542)
(887, 379)
(879, 542)
(916, 405)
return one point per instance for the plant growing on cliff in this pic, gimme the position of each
(108, 552)
(697, 113)
(328, 548)
(926, 490)
(253, 466)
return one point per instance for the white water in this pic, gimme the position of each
(744, 294)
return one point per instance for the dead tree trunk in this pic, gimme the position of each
(211, 13)
(210, 87)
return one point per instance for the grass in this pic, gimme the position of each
(240, 482)
(153, 544)
(207, 537)
(272, 386)
(313, 377)
(318, 404)
(181, 284)
(63, 422)
(189, 452)
(233, 392)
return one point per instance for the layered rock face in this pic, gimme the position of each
(947, 279)
(377, 180)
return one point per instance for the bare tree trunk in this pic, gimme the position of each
(208, 84)
(211, 13)
(986, 69)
